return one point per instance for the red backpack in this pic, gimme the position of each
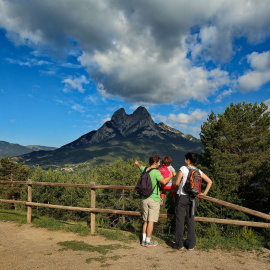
(165, 172)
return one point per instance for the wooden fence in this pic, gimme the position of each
(93, 210)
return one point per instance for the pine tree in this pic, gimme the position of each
(236, 146)
(12, 171)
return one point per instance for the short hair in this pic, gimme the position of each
(166, 161)
(153, 159)
(193, 157)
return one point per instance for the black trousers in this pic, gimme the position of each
(183, 207)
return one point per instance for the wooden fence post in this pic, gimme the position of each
(93, 205)
(29, 208)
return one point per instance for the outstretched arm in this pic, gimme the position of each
(209, 184)
(138, 164)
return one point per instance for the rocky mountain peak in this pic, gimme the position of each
(139, 124)
(142, 112)
(165, 128)
(127, 124)
(119, 116)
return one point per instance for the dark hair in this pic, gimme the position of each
(166, 161)
(192, 157)
(153, 159)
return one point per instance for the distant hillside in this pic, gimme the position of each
(12, 149)
(125, 136)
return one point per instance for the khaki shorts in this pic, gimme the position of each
(150, 210)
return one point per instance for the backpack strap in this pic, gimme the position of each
(148, 170)
(144, 169)
(151, 170)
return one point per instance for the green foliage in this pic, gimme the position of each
(116, 173)
(11, 215)
(236, 149)
(233, 237)
(12, 171)
(123, 174)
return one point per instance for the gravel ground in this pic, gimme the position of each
(27, 247)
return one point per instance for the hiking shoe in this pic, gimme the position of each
(190, 249)
(143, 243)
(151, 244)
(178, 248)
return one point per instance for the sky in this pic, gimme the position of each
(66, 66)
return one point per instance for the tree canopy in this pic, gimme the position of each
(236, 149)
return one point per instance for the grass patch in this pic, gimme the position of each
(48, 223)
(228, 243)
(82, 246)
(82, 230)
(106, 265)
(121, 236)
(17, 216)
(104, 259)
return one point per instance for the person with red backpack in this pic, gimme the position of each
(165, 170)
(151, 203)
(185, 204)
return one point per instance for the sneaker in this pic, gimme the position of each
(143, 243)
(151, 244)
(190, 249)
(178, 248)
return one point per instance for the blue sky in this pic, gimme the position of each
(66, 66)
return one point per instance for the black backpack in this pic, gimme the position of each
(193, 183)
(144, 185)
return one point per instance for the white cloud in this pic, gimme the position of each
(78, 108)
(106, 119)
(260, 73)
(76, 84)
(50, 72)
(28, 62)
(69, 65)
(91, 99)
(61, 101)
(142, 77)
(195, 116)
(253, 80)
(259, 61)
(224, 94)
(206, 44)
(267, 102)
(134, 107)
(161, 118)
(137, 50)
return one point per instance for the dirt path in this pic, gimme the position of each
(26, 247)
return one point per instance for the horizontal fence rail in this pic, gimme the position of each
(93, 210)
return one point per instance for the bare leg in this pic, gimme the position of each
(150, 227)
(144, 227)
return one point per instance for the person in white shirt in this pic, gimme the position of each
(183, 205)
